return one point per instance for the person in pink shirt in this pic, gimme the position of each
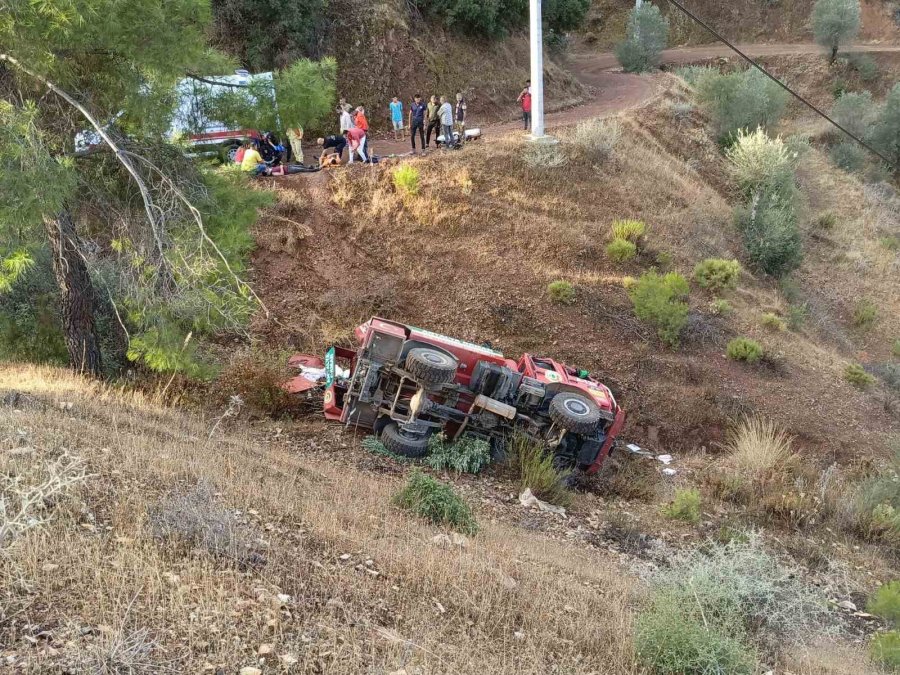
(356, 137)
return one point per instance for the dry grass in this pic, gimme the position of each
(118, 597)
(757, 448)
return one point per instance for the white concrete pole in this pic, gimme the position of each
(537, 71)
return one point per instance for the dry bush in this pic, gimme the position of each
(257, 381)
(758, 449)
(533, 468)
(544, 155)
(628, 478)
(31, 489)
(193, 517)
(595, 140)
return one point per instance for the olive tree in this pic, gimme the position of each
(835, 22)
(646, 37)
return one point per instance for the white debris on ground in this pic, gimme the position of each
(528, 500)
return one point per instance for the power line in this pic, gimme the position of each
(774, 79)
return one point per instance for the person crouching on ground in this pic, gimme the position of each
(417, 110)
(397, 118)
(332, 145)
(446, 114)
(253, 163)
(356, 137)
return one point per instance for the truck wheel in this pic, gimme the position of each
(430, 367)
(574, 412)
(400, 443)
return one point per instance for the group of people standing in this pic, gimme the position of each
(438, 116)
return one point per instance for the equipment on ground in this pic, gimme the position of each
(407, 384)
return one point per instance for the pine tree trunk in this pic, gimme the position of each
(76, 294)
(834, 53)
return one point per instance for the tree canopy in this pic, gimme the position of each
(835, 22)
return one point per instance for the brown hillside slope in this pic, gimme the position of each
(191, 549)
(473, 252)
(741, 20)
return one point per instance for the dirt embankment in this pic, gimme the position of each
(472, 253)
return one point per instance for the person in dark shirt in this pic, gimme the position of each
(434, 121)
(331, 145)
(460, 116)
(417, 111)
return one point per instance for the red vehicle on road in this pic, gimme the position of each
(407, 383)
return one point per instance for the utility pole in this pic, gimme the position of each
(537, 71)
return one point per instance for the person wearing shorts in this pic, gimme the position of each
(397, 118)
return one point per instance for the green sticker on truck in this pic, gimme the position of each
(329, 367)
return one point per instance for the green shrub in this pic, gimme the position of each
(865, 314)
(886, 649)
(895, 349)
(561, 292)
(826, 221)
(660, 301)
(664, 259)
(646, 36)
(771, 235)
(891, 242)
(721, 307)
(406, 179)
(849, 156)
(772, 321)
(708, 608)
(685, 506)
(467, 455)
(436, 502)
(856, 375)
(693, 74)
(629, 230)
(885, 602)
(744, 349)
(855, 111)
(671, 639)
(533, 467)
(797, 315)
(376, 447)
(876, 504)
(838, 87)
(621, 250)
(761, 164)
(865, 65)
(887, 127)
(741, 100)
(717, 274)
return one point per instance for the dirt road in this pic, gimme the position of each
(612, 92)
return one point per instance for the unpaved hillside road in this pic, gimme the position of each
(615, 92)
(592, 62)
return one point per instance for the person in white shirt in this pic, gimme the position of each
(345, 120)
(446, 114)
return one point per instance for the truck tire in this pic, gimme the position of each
(394, 439)
(574, 412)
(429, 367)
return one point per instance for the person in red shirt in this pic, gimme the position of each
(356, 137)
(525, 100)
(361, 122)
